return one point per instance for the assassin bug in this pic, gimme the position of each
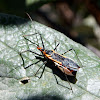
(66, 65)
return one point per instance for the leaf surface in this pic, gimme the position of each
(12, 29)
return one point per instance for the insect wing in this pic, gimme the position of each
(57, 57)
(65, 70)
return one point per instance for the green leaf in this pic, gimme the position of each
(12, 29)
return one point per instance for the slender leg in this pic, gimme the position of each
(75, 54)
(31, 64)
(30, 41)
(67, 80)
(33, 42)
(67, 51)
(42, 70)
(56, 47)
(24, 61)
(60, 84)
(32, 52)
(74, 51)
(42, 41)
(78, 58)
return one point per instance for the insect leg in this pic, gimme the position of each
(75, 54)
(42, 41)
(29, 40)
(67, 80)
(56, 46)
(31, 64)
(42, 70)
(32, 52)
(37, 41)
(23, 58)
(59, 83)
(65, 77)
(67, 51)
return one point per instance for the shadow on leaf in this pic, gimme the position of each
(47, 97)
(57, 71)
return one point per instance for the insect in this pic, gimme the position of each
(66, 65)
